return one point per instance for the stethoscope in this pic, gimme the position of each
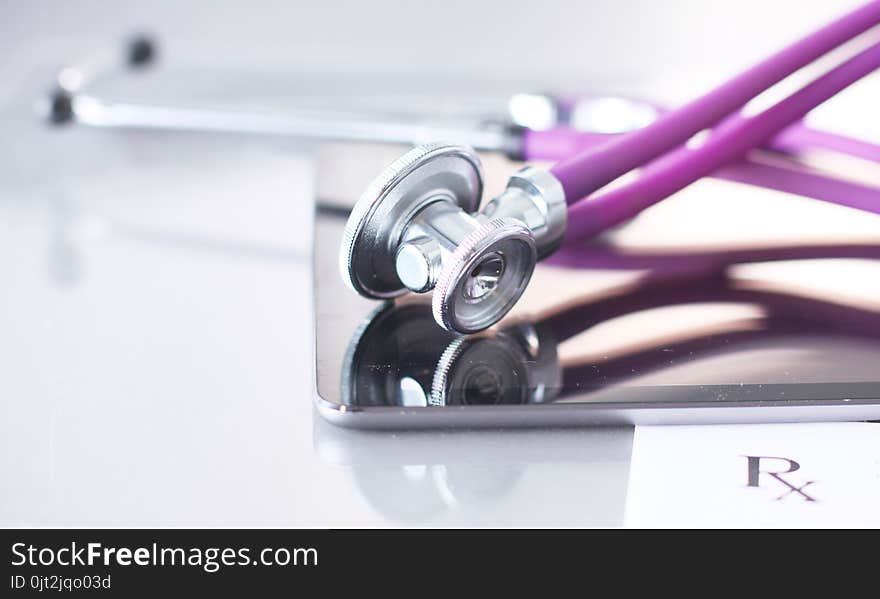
(418, 227)
(399, 357)
(522, 126)
(536, 127)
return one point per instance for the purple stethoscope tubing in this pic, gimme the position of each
(728, 142)
(561, 142)
(587, 171)
(799, 138)
(791, 177)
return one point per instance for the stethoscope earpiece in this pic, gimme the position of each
(417, 227)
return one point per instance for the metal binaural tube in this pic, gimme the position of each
(304, 124)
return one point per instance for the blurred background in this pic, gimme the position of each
(155, 318)
(551, 42)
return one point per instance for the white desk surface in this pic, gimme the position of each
(155, 353)
(157, 358)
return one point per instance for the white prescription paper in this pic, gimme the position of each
(765, 475)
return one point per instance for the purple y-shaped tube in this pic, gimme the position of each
(592, 169)
(798, 138)
(792, 178)
(561, 142)
(729, 142)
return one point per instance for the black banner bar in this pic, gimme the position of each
(151, 563)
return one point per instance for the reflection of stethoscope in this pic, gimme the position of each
(399, 357)
(417, 227)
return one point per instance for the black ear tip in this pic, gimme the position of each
(142, 50)
(60, 107)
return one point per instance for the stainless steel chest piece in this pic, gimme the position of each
(417, 228)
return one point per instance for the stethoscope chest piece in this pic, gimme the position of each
(417, 228)
(485, 276)
(384, 220)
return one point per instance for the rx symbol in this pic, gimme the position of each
(776, 474)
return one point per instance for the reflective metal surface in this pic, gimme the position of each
(743, 325)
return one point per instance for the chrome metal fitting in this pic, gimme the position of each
(385, 216)
(417, 228)
(535, 197)
(485, 276)
(430, 239)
